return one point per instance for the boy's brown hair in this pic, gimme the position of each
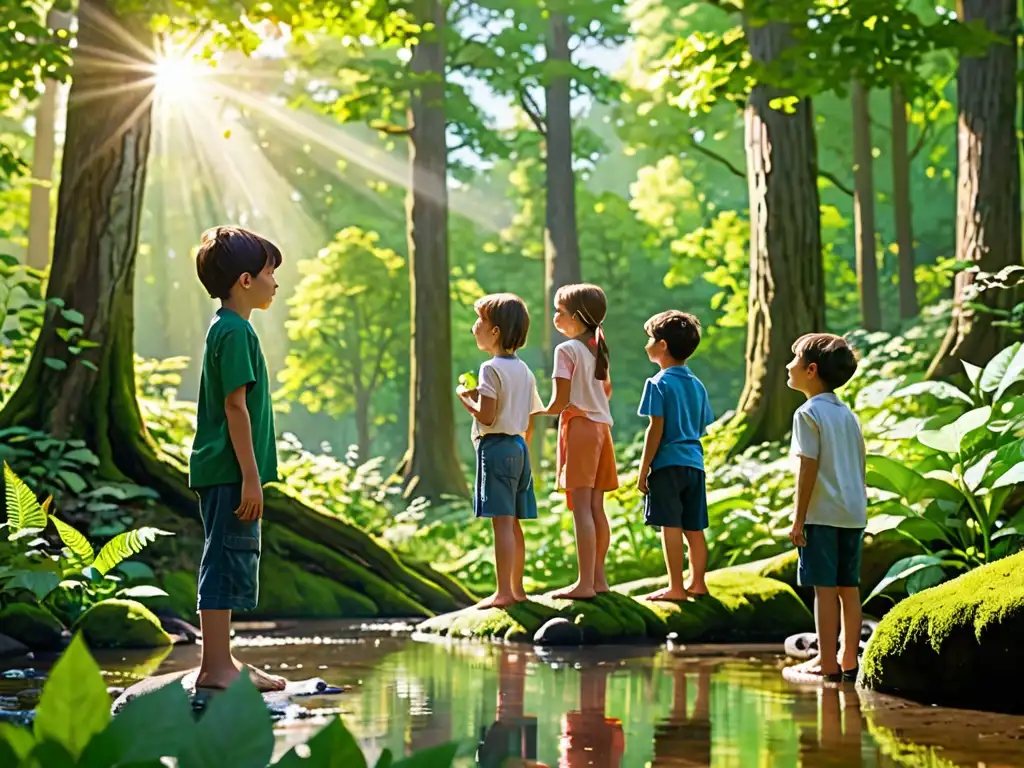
(679, 330)
(227, 253)
(833, 356)
(508, 313)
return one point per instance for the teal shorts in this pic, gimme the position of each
(229, 570)
(504, 480)
(831, 557)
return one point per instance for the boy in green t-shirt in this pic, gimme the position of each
(234, 453)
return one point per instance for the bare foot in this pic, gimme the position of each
(264, 681)
(497, 600)
(575, 592)
(697, 590)
(669, 594)
(601, 587)
(221, 678)
(521, 597)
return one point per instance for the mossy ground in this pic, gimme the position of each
(121, 624)
(741, 607)
(950, 645)
(33, 626)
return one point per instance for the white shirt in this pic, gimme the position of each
(511, 382)
(826, 430)
(575, 362)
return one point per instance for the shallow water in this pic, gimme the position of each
(609, 708)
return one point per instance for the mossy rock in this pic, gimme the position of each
(287, 591)
(181, 588)
(121, 624)
(958, 644)
(741, 608)
(33, 626)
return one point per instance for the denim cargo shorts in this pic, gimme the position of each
(229, 570)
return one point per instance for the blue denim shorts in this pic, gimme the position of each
(229, 570)
(831, 558)
(504, 480)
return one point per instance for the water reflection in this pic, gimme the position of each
(607, 708)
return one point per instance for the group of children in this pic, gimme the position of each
(234, 452)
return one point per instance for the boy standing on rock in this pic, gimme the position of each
(235, 451)
(831, 499)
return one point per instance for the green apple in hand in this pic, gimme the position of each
(467, 383)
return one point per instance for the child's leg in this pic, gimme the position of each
(826, 620)
(852, 618)
(519, 562)
(586, 546)
(217, 667)
(698, 548)
(504, 562)
(672, 546)
(603, 536)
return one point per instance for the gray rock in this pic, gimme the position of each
(558, 632)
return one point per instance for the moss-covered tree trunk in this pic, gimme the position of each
(93, 272)
(864, 209)
(787, 295)
(431, 465)
(902, 207)
(988, 230)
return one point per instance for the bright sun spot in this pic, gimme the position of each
(177, 76)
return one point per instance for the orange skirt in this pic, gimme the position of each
(586, 455)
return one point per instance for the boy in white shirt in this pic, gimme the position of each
(831, 499)
(502, 406)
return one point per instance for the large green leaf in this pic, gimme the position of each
(893, 476)
(39, 583)
(124, 545)
(940, 389)
(1012, 476)
(973, 372)
(975, 473)
(234, 730)
(885, 522)
(924, 578)
(902, 569)
(1014, 373)
(149, 728)
(949, 438)
(332, 747)
(73, 540)
(23, 510)
(18, 740)
(997, 368)
(75, 705)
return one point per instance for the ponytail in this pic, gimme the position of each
(589, 305)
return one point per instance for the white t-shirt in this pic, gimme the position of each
(511, 382)
(575, 362)
(824, 428)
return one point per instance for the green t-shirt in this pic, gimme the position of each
(232, 359)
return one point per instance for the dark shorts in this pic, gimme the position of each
(831, 557)
(676, 498)
(504, 481)
(229, 570)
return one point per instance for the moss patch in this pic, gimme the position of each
(121, 624)
(289, 591)
(181, 588)
(741, 608)
(948, 644)
(32, 626)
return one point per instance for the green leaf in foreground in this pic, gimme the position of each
(75, 705)
(235, 730)
(332, 747)
(73, 540)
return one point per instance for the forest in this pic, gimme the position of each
(775, 169)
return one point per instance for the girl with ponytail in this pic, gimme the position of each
(586, 456)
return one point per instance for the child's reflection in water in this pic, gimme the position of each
(511, 742)
(588, 737)
(684, 739)
(838, 738)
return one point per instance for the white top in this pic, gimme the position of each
(511, 382)
(826, 430)
(575, 362)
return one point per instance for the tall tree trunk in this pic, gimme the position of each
(561, 239)
(431, 465)
(99, 207)
(43, 152)
(787, 294)
(902, 208)
(988, 230)
(864, 210)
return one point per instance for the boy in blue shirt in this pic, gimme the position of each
(672, 467)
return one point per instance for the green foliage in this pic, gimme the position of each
(73, 727)
(31, 566)
(21, 317)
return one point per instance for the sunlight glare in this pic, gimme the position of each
(177, 76)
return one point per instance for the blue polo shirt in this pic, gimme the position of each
(678, 397)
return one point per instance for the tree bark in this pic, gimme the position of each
(561, 238)
(988, 231)
(864, 210)
(902, 207)
(431, 465)
(95, 249)
(787, 295)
